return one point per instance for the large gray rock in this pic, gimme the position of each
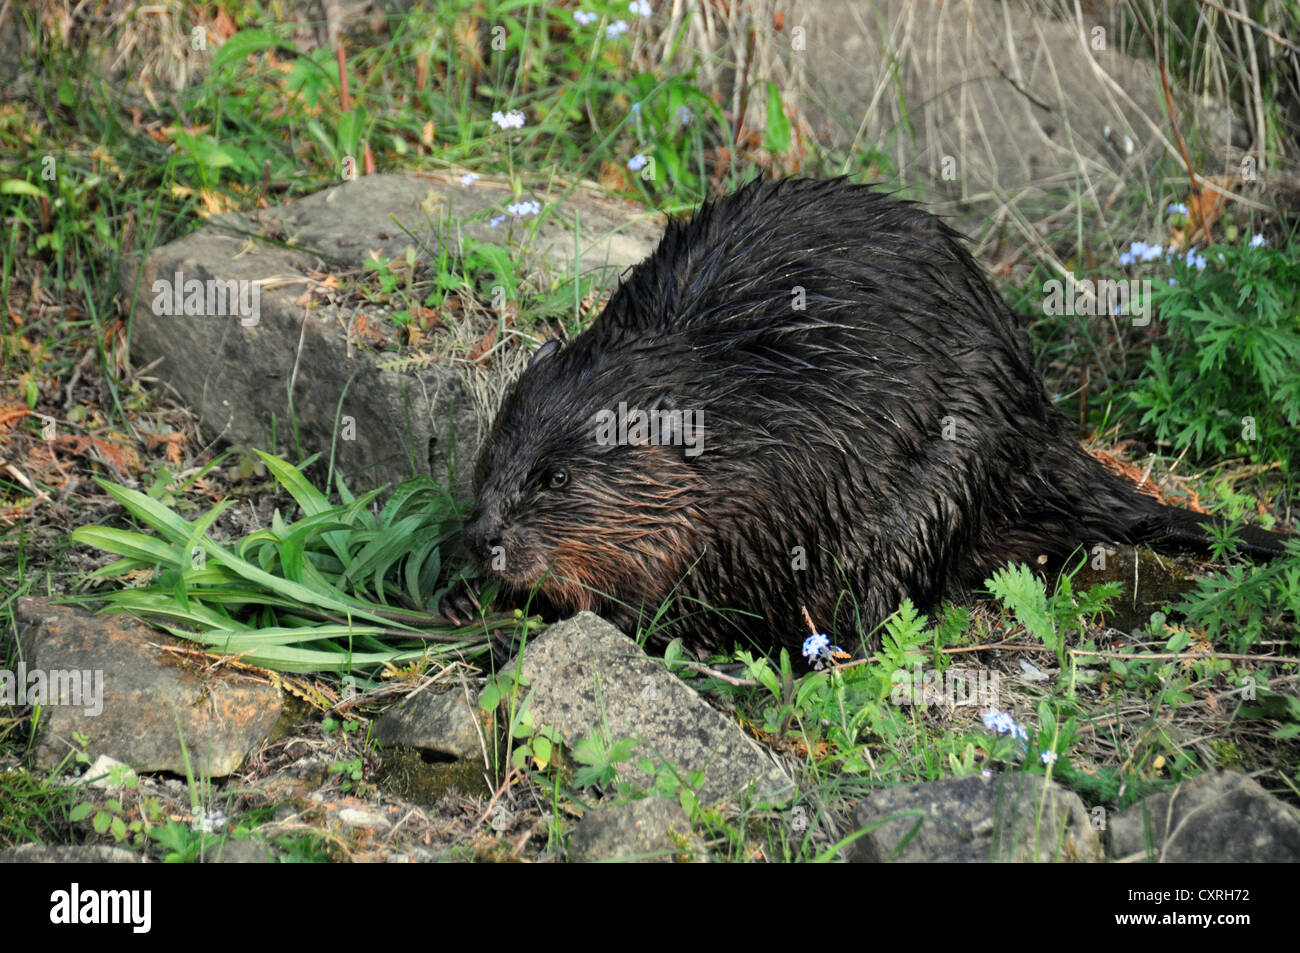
(1004, 817)
(584, 677)
(1213, 818)
(240, 367)
(993, 97)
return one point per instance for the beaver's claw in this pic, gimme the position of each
(460, 603)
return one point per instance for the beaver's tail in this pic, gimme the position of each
(1173, 528)
(1110, 507)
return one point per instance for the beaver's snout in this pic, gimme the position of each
(482, 531)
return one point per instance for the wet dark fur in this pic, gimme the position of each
(822, 433)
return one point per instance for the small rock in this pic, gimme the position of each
(585, 676)
(652, 830)
(240, 852)
(447, 724)
(110, 775)
(413, 855)
(354, 817)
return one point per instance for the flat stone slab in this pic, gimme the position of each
(223, 316)
(110, 679)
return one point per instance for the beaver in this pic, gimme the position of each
(808, 397)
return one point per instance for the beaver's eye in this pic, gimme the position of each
(557, 478)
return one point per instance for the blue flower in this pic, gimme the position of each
(584, 18)
(818, 650)
(468, 179)
(1002, 723)
(1048, 757)
(640, 7)
(637, 162)
(1177, 208)
(497, 220)
(1258, 240)
(521, 209)
(616, 29)
(815, 646)
(1194, 260)
(685, 115)
(1140, 251)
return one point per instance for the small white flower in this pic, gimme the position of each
(1049, 757)
(511, 120)
(211, 822)
(616, 29)
(1258, 240)
(468, 179)
(640, 8)
(584, 18)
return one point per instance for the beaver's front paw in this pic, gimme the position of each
(460, 603)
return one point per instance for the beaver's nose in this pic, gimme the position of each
(482, 531)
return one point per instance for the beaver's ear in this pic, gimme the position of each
(542, 353)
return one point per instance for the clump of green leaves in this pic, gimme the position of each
(1225, 378)
(350, 770)
(1243, 604)
(1164, 677)
(129, 825)
(312, 595)
(839, 709)
(1052, 618)
(600, 758)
